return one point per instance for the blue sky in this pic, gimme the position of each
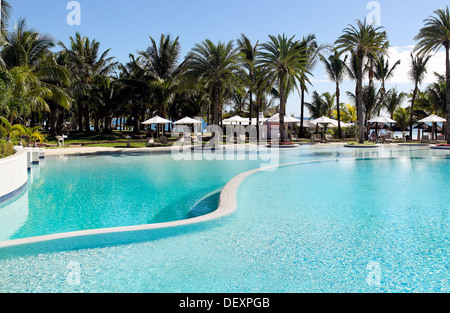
(125, 26)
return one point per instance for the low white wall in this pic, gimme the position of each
(13, 173)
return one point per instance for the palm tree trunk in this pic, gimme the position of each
(359, 99)
(338, 110)
(302, 110)
(80, 118)
(447, 93)
(258, 108)
(282, 112)
(412, 112)
(216, 105)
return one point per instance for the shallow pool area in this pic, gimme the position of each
(335, 220)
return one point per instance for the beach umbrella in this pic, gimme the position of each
(325, 121)
(433, 118)
(381, 119)
(187, 120)
(287, 119)
(156, 120)
(235, 119)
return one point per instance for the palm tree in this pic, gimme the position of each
(311, 51)
(384, 72)
(417, 74)
(214, 66)
(87, 65)
(316, 107)
(25, 47)
(335, 68)
(5, 14)
(393, 100)
(162, 70)
(248, 56)
(402, 118)
(436, 94)
(283, 64)
(434, 35)
(361, 41)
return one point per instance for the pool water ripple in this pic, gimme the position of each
(302, 228)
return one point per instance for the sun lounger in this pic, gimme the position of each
(425, 139)
(440, 138)
(328, 137)
(163, 139)
(316, 138)
(387, 138)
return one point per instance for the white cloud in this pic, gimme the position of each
(435, 64)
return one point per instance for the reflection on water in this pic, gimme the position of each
(13, 216)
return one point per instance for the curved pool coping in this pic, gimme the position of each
(227, 205)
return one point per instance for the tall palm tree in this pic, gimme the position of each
(335, 68)
(248, 56)
(214, 66)
(417, 74)
(434, 35)
(362, 41)
(283, 64)
(311, 51)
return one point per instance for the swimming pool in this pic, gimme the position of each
(358, 221)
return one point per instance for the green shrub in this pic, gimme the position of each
(6, 149)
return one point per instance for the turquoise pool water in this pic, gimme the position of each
(345, 225)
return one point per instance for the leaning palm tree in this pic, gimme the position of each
(417, 74)
(283, 64)
(335, 68)
(214, 66)
(434, 35)
(362, 41)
